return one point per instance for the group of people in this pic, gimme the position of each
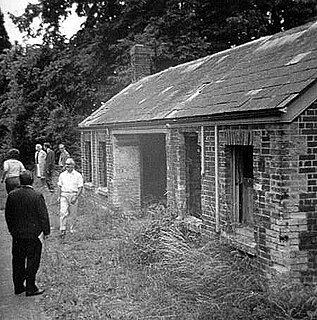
(26, 212)
(45, 162)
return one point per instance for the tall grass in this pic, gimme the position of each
(150, 267)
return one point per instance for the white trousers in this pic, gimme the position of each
(68, 211)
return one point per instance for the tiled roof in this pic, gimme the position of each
(264, 74)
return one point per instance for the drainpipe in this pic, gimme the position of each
(92, 156)
(217, 181)
(202, 144)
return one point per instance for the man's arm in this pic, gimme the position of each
(43, 216)
(8, 213)
(3, 176)
(74, 199)
(5, 170)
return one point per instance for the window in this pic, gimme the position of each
(87, 161)
(242, 184)
(102, 162)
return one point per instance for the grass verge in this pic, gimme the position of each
(148, 267)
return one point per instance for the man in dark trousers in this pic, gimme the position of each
(49, 165)
(28, 223)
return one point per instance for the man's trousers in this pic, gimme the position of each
(68, 211)
(26, 257)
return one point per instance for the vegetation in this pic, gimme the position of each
(47, 89)
(4, 38)
(151, 267)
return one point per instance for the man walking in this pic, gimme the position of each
(64, 155)
(28, 223)
(40, 159)
(70, 186)
(49, 166)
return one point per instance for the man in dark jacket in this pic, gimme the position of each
(49, 165)
(28, 223)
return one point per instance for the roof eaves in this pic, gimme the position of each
(299, 102)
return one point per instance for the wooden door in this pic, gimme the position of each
(242, 182)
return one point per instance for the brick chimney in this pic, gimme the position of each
(141, 61)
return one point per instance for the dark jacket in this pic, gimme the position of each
(49, 161)
(26, 213)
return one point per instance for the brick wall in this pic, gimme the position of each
(306, 188)
(126, 173)
(93, 186)
(283, 237)
(176, 184)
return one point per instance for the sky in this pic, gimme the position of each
(16, 7)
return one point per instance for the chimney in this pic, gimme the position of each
(141, 61)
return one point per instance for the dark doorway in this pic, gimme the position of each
(153, 167)
(193, 174)
(242, 184)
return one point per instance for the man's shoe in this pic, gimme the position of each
(19, 291)
(34, 293)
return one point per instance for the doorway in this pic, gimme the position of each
(242, 184)
(193, 174)
(153, 167)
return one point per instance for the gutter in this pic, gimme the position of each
(259, 116)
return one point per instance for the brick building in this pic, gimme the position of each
(229, 139)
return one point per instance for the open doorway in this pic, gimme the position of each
(193, 174)
(153, 167)
(242, 184)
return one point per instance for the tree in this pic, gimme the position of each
(4, 44)
(52, 86)
(4, 38)
(46, 98)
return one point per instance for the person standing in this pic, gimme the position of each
(49, 166)
(40, 159)
(70, 186)
(12, 168)
(64, 155)
(28, 223)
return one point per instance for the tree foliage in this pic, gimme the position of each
(54, 85)
(4, 38)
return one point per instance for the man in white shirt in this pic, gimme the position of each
(70, 186)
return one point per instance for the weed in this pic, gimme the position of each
(149, 266)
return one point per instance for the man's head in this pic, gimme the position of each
(47, 145)
(13, 154)
(26, 178)
(61, 147)
(38, 147)
(70, 164)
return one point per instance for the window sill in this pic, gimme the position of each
(242, 238)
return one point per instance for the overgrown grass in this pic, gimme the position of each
(149, 267)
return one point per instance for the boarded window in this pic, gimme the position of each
(242, 184)
(102, 155)
(87, 162)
